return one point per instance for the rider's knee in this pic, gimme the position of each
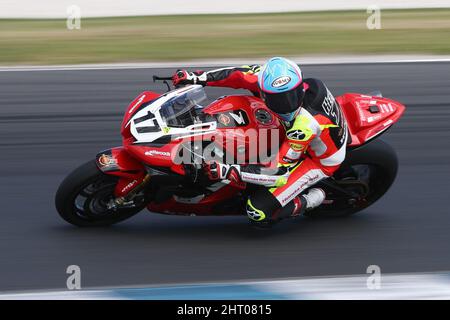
(261, 206)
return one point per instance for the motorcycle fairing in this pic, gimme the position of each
(368, 116)
(118, 162)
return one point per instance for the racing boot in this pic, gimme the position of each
(300, 204)
(314, 198)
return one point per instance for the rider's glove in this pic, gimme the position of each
(219, 171)
(184, 77)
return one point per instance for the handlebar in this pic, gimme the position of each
(158, 78)
(164, 80)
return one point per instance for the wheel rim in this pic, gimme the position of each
(91, 202)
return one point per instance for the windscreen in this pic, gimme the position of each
(180, 110)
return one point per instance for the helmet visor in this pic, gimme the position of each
(284, 102)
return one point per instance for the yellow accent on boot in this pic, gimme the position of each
(256, 215)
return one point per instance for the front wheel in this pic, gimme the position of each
(365, 176)
(83, 198)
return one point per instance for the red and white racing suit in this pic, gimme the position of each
(314, 147)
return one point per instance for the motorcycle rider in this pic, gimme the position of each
(315, 143)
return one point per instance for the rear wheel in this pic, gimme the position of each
(84, 197)
(365, 176)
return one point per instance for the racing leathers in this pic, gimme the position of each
(313, 149)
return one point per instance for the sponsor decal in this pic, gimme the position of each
(106, 160)
(239, 118)
(166, 130)
(129, 186)
(293, 154)
(329, 105)
(296, 135)
(287, 160)
(373, 118)
(258, 178)
(224, 119)
(137, 103)
(233, 119)
(157, 153)
(281, 81)
(297, 147)
(332, 109)
(309, 181)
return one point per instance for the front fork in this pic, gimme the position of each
(133, 176)
(128, 198)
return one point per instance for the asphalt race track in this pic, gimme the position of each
(52, 121)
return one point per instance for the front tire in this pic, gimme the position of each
(82, 198)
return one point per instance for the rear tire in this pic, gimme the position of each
(381, 162)
(82, 196)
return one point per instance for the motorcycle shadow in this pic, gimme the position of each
(210, 228)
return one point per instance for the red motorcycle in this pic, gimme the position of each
(160, 129)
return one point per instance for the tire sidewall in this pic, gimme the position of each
(69, 189)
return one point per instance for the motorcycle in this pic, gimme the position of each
(157, 129)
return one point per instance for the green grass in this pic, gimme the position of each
(165, 38)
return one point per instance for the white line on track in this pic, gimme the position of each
(410, 286)
(219, 63)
